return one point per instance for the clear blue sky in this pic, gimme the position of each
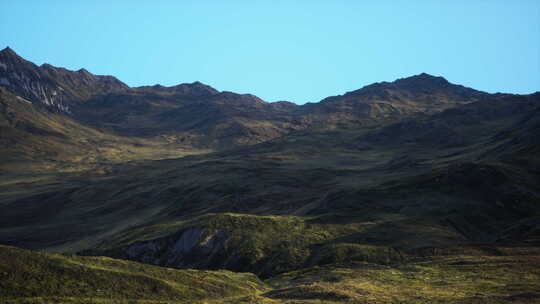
(283, 50)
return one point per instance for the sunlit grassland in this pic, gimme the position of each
(32, 277)
(29, 277)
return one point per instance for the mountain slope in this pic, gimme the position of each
(435, 182)
(58, 88)
(37, 140)
(197, 115)
(510, 277)
(419, 94)
(208, 120)
(30, 277)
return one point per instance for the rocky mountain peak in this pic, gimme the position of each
(424, 76)
(419, 82)
(416, 86)
(7, 51)
(188, 90)
(84, 71)
(422, 93)
(8, 56)
(422, 80)
(53, 86)
(196, 88)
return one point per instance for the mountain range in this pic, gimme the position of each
(416, 182)
(198, 115)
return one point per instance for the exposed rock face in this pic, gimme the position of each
(192, 248)
(239, 250)
(57, 88)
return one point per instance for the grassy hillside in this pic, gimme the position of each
(265, 245)
(350, 199)
(29, 277)
(36, 139)
(454, 279)
(510, 276)
(407, 186)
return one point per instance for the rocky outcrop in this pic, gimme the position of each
(191, 248)
(57, 88)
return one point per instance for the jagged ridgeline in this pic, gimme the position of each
(412, 191)
(197, 115)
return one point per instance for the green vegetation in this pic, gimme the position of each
(38, 142)
(265, 245)
(452, 279)
(31, 277)
(28, 277)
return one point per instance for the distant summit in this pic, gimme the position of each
(424, 81)
(8, 52)
(417, 84)
(421, 93)
(195, 89)
(8, 56)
